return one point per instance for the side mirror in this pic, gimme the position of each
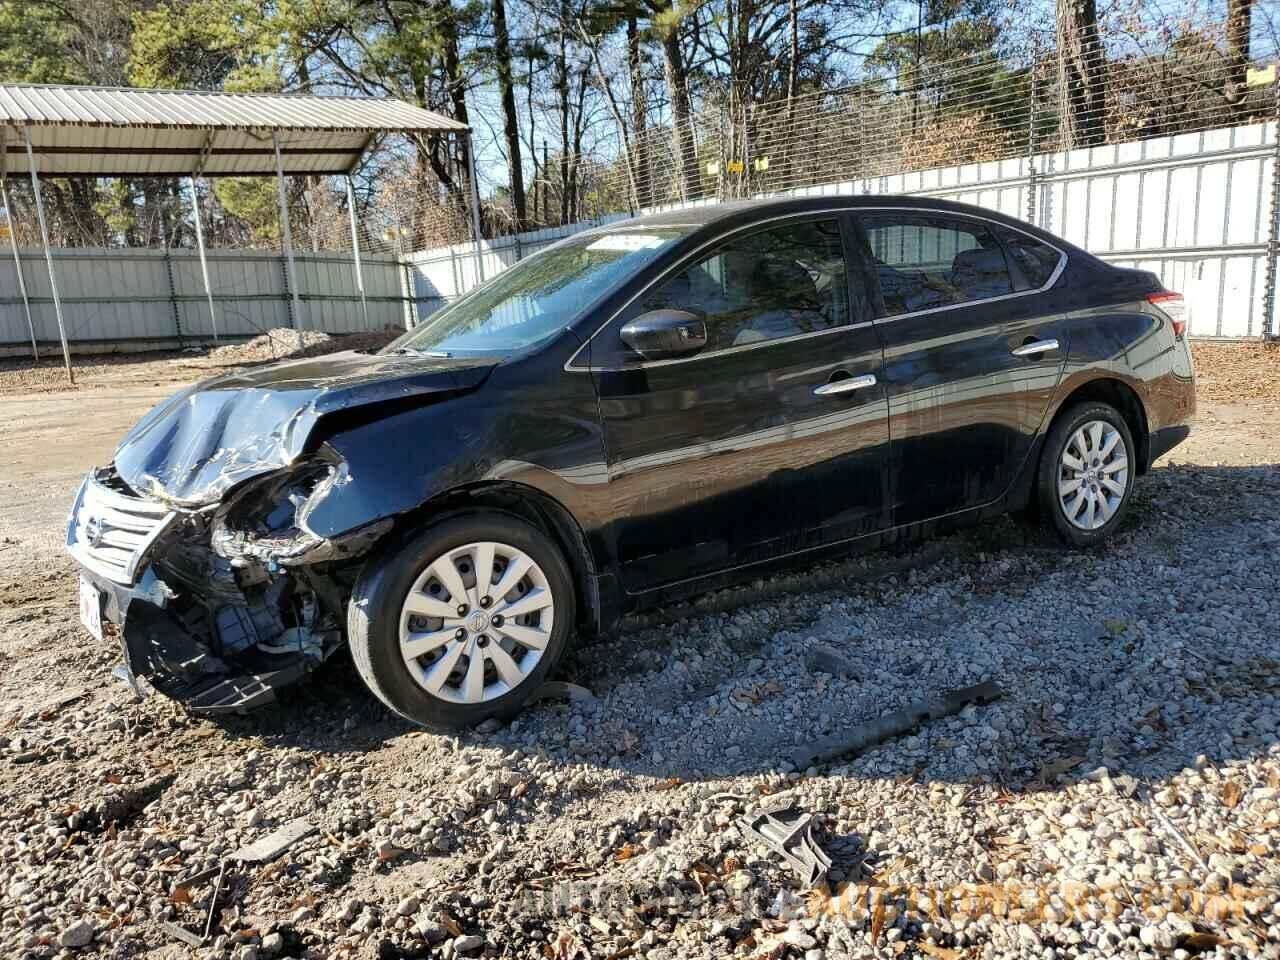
(660, 334)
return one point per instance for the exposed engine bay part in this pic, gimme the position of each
(265, 522)
(222, 635)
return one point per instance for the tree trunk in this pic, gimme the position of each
(1239, 24)
(511, 124)
(1081, 75)
(562, 81)
(686, 154)
(793, 23)
(635, 62)
(458, 100)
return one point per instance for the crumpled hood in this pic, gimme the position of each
(191, 449)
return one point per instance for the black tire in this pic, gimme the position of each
(1051, 510)
(373, 617)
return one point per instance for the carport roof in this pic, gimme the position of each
(123, 131)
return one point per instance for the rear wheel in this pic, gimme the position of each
(463, 622)
(1086, 473)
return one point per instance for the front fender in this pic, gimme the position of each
(544, 438)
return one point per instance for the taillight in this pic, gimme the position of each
(1172, 306)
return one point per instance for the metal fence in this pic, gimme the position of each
(1192, 207)
(130, 299)
(1165, 161)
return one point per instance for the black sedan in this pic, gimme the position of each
(643, 411)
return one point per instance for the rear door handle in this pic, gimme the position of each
(847, 385)
(1035, 347)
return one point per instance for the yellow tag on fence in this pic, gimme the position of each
(734, 166)
(1260, 78)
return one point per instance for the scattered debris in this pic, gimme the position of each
(265, 849)
(788, 831)
(829, 660)
(179, 932)
(868, 734)
(562, 690)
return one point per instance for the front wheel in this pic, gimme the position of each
(1086, 473)
(463, 622)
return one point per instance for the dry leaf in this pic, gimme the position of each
(670, 783)
(389, 853)
(626, 852)
(1231, 793)
(181, 895)
(877, 922)
(1056, 768)
(450, 924)
(942, 953)
(1201, 941)
(601, 925)
(113, 778)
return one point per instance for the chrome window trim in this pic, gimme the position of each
(826, 211)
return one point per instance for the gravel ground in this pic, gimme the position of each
(1120, 799)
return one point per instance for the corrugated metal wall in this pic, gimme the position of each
(112, 297)
(1192, 208)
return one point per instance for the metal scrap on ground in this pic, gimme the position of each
(788, 831)
(883, 728)
(265, 849)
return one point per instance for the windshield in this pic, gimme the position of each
(538, 296)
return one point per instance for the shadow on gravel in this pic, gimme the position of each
(1145, 656)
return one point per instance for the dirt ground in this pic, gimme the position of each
(56, 693)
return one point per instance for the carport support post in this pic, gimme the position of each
(355, 250)
(475, 203)
(13, 241)
(204, 264)
(286, 236)
(48, 255)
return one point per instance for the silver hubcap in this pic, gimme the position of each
(476, 622)
(1093, 475)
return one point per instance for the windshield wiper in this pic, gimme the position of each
(436, 354)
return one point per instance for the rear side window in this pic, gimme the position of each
(1035, 259)
(926, 261)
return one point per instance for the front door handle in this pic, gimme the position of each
(1035, 347)
(846, 385)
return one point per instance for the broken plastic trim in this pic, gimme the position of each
(788, 832)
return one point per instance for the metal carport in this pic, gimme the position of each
(74, 131)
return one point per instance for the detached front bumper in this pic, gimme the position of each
(185, 620)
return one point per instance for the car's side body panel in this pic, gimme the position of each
(664, 468)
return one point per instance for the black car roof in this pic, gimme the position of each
(734, 213)
(706, 214)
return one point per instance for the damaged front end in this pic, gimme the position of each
(218, 607)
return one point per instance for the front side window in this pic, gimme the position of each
(764, 286)
(926, 261)
(538, 296)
